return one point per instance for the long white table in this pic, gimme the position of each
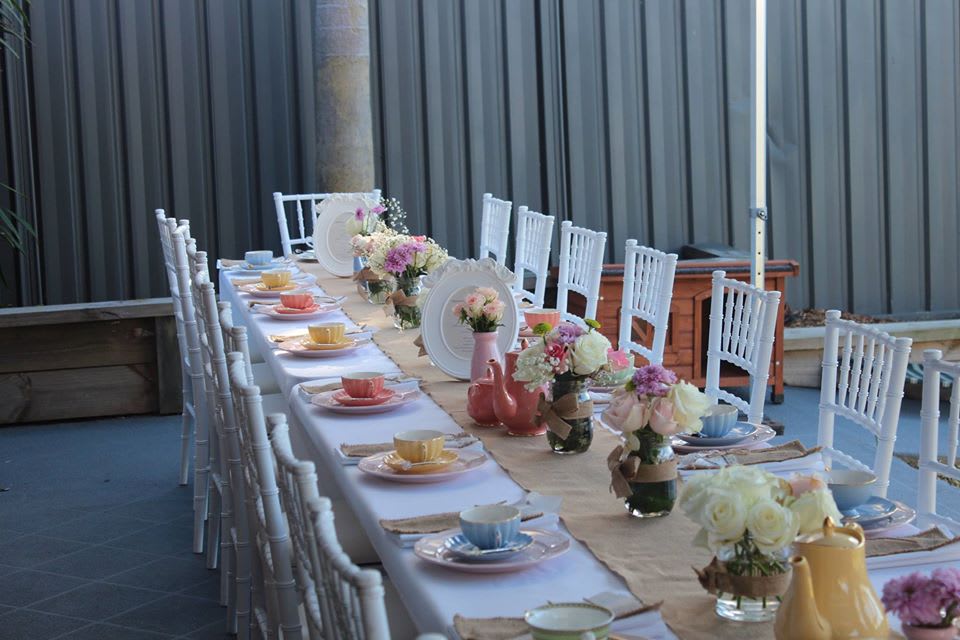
(431, 594)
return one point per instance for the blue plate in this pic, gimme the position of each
(463, 548)
(741, 431)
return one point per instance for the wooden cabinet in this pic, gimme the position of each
(687, 336)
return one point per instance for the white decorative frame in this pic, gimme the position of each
(448, 281)
(329, 231)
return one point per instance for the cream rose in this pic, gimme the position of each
(812, 508)
(751, 483)
(724, 517)
(627, 412)
(773, 526)
(693, 495)
(689, 405)
(589, 353)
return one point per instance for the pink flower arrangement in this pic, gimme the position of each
(401, 255)
(481, 310)
(654, 400)
(567, 350)
(925, 601)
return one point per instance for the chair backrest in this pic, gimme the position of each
(302, 233)
(743, 324)
(191, 333)
(166, 226)
(930, 465)
(354, 597)
(868, 391)
(581, 265)
(532, 253)
(275, 604)
(647, 292)
(494, 228)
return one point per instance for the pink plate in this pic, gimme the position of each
(466, 462)
(327, 400)
(296, 347)
(282, 309)
(547, 544)
(270, 310)
(346, 399)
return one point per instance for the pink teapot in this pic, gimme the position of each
(515, 407)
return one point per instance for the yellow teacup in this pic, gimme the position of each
(419, 445)
(327, 332)
(275, 278)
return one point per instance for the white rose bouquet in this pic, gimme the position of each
(749, 518)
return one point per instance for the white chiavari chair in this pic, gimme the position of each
(165, 226)
(201, 448)
(532, 253)
(260, 372)
(930, 465)
(274, 601)
(743, 323)
(581, 265)
(494, 228)
(647, 292)
(303, 233)
(867, 392)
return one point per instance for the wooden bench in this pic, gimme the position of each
(69, 361)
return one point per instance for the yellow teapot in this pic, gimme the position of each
(833, 598)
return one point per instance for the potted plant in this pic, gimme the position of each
(926, 605)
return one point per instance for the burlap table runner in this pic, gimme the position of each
(654, 557)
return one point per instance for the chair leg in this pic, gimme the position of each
(213, 527)
(185, 436)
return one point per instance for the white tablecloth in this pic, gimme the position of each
(431, 594)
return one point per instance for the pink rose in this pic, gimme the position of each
(627, 412)
(492, 309)
(800, 485)
(618, 360)
(489, 293)
(474, 300)
(458, 309)
(661, 418)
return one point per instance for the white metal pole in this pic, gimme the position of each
(758, 140)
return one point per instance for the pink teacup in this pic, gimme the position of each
(297, 300)
(534, 317)
(366, 384)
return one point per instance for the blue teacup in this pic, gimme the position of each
(490, 526)
(258, 258)
(719, 420)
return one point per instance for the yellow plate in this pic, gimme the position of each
(316, 346)
(286, 287)
(395, 462)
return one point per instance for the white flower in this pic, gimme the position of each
(532, 367)
(633, 442)
(589, 353)
(812, 508)
(724, 517)
(751, 483)
(693, 495)
(773, 526)
(689, 405)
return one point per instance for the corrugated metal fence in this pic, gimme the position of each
(622, 115)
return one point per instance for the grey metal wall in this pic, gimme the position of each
(625, 115)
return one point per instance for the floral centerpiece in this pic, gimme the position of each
(482, 311)
(653, 406)
(366, 221)
(373, 286)
(749, 518)
(406, 259)
(926, 605)
(566, 357)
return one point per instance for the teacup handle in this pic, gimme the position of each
(423, 450)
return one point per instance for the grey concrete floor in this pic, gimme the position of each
(95, 535)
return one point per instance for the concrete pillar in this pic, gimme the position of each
(342, 76)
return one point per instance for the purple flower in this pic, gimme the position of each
(916, 599)
(397, 260)
(378, 209)
(949, 579)
(653, 380)
(567, 333)
(358, 214)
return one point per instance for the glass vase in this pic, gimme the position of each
(378, 291)
(742, 608)
(581, 428)
(406, 311)
(652, 499)
(747, 609)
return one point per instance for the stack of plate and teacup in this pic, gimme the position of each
(853, 492)
(259, 260)
(722, 430)
(420, 451)
(363, 391)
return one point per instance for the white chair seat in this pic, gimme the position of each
(263, 378)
